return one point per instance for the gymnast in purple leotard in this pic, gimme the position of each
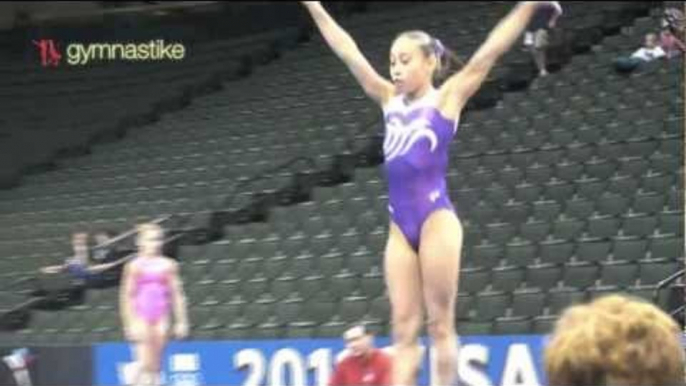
(416, 151)
(422, 256)
(151, 293)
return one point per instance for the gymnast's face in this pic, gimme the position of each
(411, 69)
(150, 242)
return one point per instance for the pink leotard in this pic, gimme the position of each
(152, 289)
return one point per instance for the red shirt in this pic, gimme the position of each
(374, 370)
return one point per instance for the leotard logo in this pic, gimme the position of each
(400, 138)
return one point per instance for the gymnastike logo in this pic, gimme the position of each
(78, 54)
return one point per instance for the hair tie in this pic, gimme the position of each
(439, 48)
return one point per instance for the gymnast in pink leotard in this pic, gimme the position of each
(151, 292)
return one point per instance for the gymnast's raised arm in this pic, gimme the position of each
(343, 45)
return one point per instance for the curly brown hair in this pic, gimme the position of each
(615, 340)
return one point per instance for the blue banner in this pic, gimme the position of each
(483, 361)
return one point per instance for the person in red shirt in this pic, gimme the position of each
(364, 365)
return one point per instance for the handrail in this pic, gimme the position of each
(129, 233)
(662, 284)
(230, 197)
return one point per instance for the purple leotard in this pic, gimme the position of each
(416, 159)
(152, 289)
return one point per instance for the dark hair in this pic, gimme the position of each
(447, 61)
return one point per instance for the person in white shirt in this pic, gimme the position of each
(651, 49)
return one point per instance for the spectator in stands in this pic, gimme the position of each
(615, 340)
(537, 35)
(650, 51)
(671, 45)
(364, 364)
(77, 264)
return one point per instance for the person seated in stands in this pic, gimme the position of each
(615, 340)
(78, 265)
(671, 45)
(650, 51)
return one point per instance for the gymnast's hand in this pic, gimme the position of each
(180, 330)
(310, 3)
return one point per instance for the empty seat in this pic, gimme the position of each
(352, 309)
(529, 303)
(514, 213)
(568, 229)
(629, 249)
(591, 189)
(343, 284)
(487, 256)
(520, 253)
(593, 251)
(635, 167)
(569, 171)
(654, 271)
(543, 277)
(543, 324)
(310, 286)
(559, 191)
(527, 192)
(657, 183)
(512, 326)
(612, 205)
(474, 328)
(507, 278)
(667, 248)
(579, 209)
(556, 252)
(672, 223)
(546, 210)
(648, 203)
(602, 290)
(561, 298)
(600, 169)
(639, 226)
(535, 231)
(603, 227)
(464, 306)
(619, 274)
(500, 233)
(491, 305)
(474, 280)
(331, 329)
(580, 275)
(288, 311)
